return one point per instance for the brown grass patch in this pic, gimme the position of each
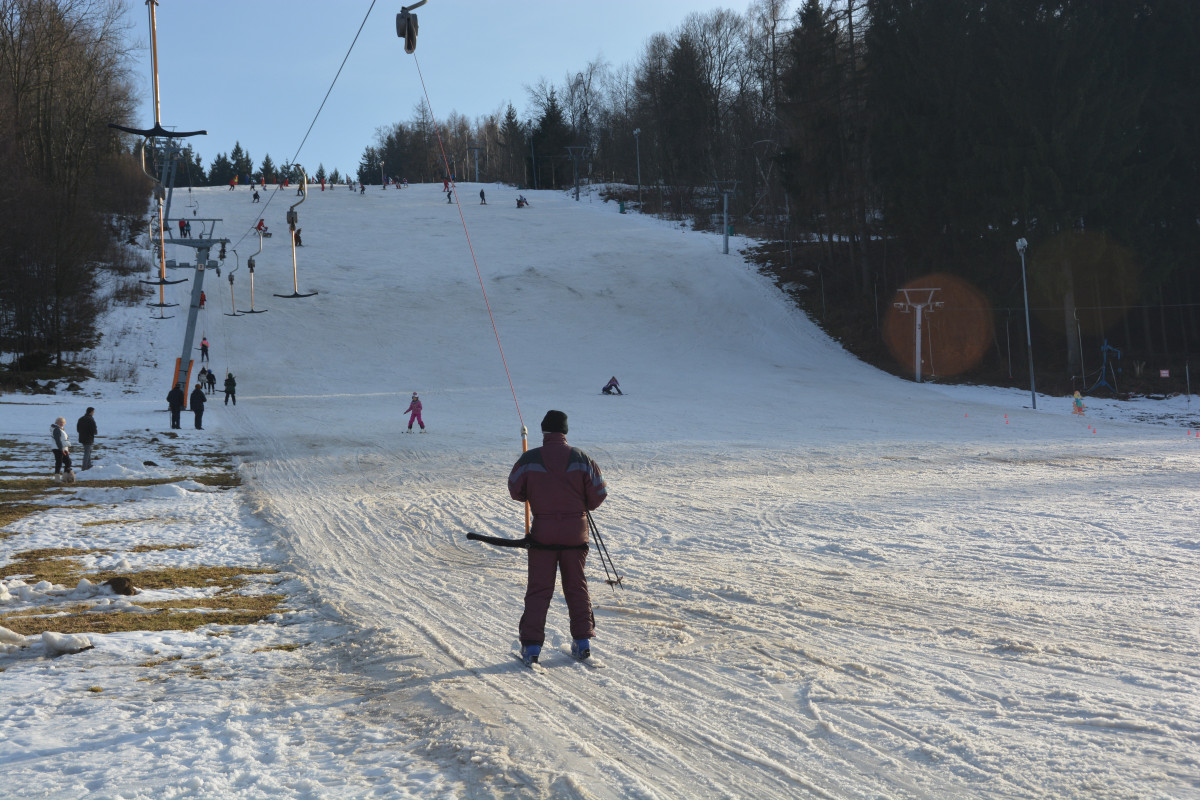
(226, 479)
(59, 565)
(96, 522)
(172, 616)
(54, 564)
(287, 648)
(154, 548)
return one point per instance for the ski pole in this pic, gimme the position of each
(613, 580)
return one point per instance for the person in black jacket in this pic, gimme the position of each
(86, 428)
(175, 400)
(197, 400)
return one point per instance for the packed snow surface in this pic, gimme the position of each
(836, 583)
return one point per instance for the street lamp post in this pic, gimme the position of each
(1021, 246)
(637, 143)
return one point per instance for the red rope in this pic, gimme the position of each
(471, 247)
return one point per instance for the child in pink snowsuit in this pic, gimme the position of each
(415, 409)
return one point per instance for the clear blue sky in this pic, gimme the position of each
(255, 71)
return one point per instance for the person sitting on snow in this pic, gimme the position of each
(612, 386)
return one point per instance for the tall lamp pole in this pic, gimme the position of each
(637, 143)
(1021, 246)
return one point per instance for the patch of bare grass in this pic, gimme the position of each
(226, 479)
(172, 615)
(54, 564)
(287, 648)
(96, 522)
(156, 548)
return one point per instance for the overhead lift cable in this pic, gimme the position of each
(320, 108)
(406, 29)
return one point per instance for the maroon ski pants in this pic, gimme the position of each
(540, 589)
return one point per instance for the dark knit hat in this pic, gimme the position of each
(554, 422)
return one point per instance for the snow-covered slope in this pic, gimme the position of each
(837, 584)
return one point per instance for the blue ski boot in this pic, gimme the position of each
(530, 653)
(581, 648)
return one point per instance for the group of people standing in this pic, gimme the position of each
(197, 399)
(86, 428)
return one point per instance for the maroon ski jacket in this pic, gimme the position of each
(561, 483)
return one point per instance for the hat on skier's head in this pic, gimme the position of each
(554, 422)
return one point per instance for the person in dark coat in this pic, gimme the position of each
(197, 399)
(86, 428)
(230, 388)
(561, 484)
(212, 381)
(175, 400)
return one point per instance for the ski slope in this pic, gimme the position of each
(838, 584)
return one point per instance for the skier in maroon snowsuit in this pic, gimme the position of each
(561, 484)
(414, 412)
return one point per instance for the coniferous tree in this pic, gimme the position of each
(368, 165)
(221, 171)
(550, 140)
(267, 169)
(243, 165)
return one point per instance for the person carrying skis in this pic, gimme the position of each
(414, 409)
(230, 388)
(561, 484)
(204, 349)
(612, 386)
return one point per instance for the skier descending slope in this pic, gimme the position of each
(414, 412)
(561, 484)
